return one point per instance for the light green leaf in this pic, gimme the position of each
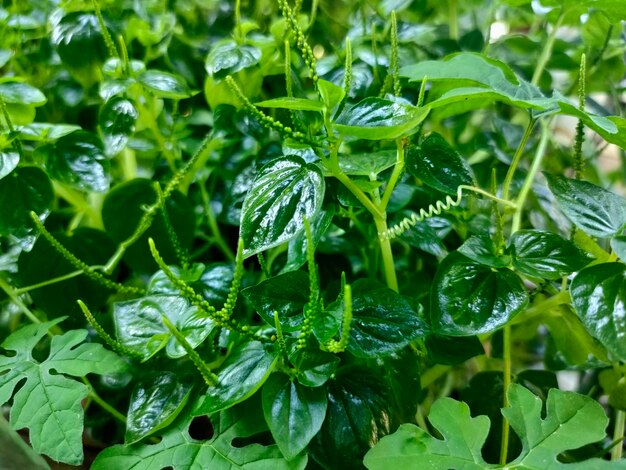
(284, 193)
(296, 104)
(331, 94)
(13, 92)
(293, 412)
(228, 57)
(8, 162)
(242, 374)
(49, 404)
(164, 84)
(177, 450)
(379, 119)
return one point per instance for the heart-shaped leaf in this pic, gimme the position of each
(117, 121)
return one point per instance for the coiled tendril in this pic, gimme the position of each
(436, 209)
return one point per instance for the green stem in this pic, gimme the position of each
(387, 255)
(212, 221)
(431, 375)
(516, 159)
(618, 434)
(453, 23)
(395, 176)
(356, 191)
(103, 404)
(506, 371)
(8, 289)
(547, 50)
(39, 285)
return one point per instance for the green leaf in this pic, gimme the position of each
(331, 94)
(284, 193)
(294, 413)
(49, 404)
(379, 119)
(545, 255)
(140, 327)
(288, 102)
(286, 294)
(314, 367)
(164, 84)
(481, 249)
(599, 298)
(468, 298)
(117, 121)
(591, 208)
(78, 159)
(26, 189)
(8, 162)
(154, 403)
(243, 372)
(618, 244)
(75, 33)
(44, 131)
(177, 450)
(366, 164)
(229, 57)
(438, 165)
(297, 251)
(14, 92)
(382, 320)
(571, 421)
(452, 350)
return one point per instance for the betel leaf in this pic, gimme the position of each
(75, 33)
(286, 294)
(154, 403)
(481, 249)
(179, 451)
(468, 298)
(8, 162)
(618, 244)
(165, 84)
(591, 208)
(382, 320)
(26, 189)
(14, 92)
(438, 165)
(289, 102)
(545, 255)
(45, 131)
(297, 251)
(571, 421)
(243, 372)
(313, 366)
(284, 193)
(78, 159)
(48, 403)
(330, 93)
(229, 57)
(366, 164)
(379, 119)
(359, 413)
(117, 122)
(139, 325)
(293, 412)
(599, 298)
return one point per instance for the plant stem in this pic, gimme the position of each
(360, 195)
(385, 250)
(453, 23)
(39, 285)
(547, 50)
(432, 374)
(395, 176)
(618, 434)
(103, 404)
(506, 371)
(516, 159)
(6, 287)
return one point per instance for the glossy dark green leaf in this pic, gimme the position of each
(154, 403)
(76, 33)
(8, 162)
(78, 159)
(481, 249)
(122, 210)
(545, 255)
(289, 102)
(468, 298)
(117, 122)
(13, 92)
(423, 237)
(229, 57)
(26, 189)
(618, 244)
(139, 324)
(297, 251)
(284, 193)
(452, 350)
(382, 320)
(314, 366)
(591, 208)
(165, 84)
(379, 119)
(599, 298)
(245, 370)
(294, 413)
(358, 415)
(438, 165)
(286, 294)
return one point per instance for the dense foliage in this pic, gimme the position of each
(272, 235)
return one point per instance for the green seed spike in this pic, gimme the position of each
(394, 68)
(341, 345)
(113, 344)
(81, 265)
(420, 98)
(108, 41)
(347, 78)
(280, 338)
(209, 377)
(579, 164)
(227, 311)
(263, 263)
(312, 310)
